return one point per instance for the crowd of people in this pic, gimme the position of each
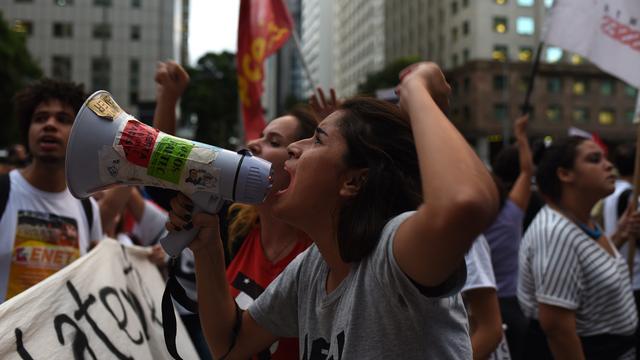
(383, 235)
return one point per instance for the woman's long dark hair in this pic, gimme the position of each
(561, 154)
(379, 138)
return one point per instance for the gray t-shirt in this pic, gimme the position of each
(375, 313)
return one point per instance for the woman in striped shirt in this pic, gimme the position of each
(573, 284)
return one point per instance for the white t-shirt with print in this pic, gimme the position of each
(40, 232)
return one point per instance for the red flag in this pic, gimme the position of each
(264, 26)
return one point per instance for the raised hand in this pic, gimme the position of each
(321, 106)
(171, 81)
(429, 75)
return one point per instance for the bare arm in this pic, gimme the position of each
(112, 204)
(216, 306)
(521, 191)
(171, 82)
(461, 198)
(485, 320)
(559, 325)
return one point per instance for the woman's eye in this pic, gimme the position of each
(316, 140)
(274, 143)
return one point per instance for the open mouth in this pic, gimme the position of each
(291, 177)
(47, 142)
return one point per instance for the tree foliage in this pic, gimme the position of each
(387, 77)
(213, 97)
(16, 70)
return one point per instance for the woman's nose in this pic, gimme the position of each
(294, 149)
(254, 147)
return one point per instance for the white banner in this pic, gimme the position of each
(105, 305)
(607, 32)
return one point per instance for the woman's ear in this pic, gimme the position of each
(354, 181)
(565, 175)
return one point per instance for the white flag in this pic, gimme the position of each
(607, 32)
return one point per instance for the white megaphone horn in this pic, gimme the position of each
(108, 147)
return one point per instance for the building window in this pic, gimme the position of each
(500, 53)
(553, 54)
(454, 60)
(525, 53)
(465, 28)
(500, 24)
(466, 114)
(63, 2)
(576, 59)
(102, 2)
(580, 86)
(23, 26)
(580, 115)
(24, 1)
(554, 113)
(501, 2)
(61, 67)
(136, 4)
(554, 85)
(548, 3)
(135, 33)
(454, 7)
(102, 31)
(523, 83)
(630, 91)
(525, 25)
(607, 87)
(454, 34)
(466, 84)
(629, 116)
(500, 112)
(465, 3)
(607, 117)
(465, 55)
(100, 73)
(499, 82)
(134, 80)
(62, 30)
(526, 3)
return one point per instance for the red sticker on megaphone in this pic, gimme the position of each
(137, 140)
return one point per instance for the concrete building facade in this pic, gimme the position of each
(104, 44)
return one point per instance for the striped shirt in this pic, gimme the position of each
(560, 265)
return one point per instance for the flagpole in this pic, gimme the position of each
(526, 105)
(296, 41)
(636, 185)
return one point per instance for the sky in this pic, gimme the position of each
(213, 26)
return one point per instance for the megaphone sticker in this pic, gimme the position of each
(142, 154)
(104, 106)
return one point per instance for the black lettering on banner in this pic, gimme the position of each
(80, 342)
(108, 291)
(137, 308)
(82, 311)
(24, 354)
(145, 292)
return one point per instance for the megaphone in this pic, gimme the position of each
(109, 147)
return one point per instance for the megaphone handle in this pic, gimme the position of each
(176, 241)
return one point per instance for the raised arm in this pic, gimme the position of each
(216, 306)
(461, 199)
(521, 191)
(171, 82)
(559, 325)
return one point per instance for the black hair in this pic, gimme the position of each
(379, 138)
(307, 121)
(624, 157)
(28, 99)
(506, 166)
(561, 154)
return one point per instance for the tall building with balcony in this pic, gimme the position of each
(486, 48)
(318, 42)
(104, 44)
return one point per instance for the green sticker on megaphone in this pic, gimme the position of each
(169, 158)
